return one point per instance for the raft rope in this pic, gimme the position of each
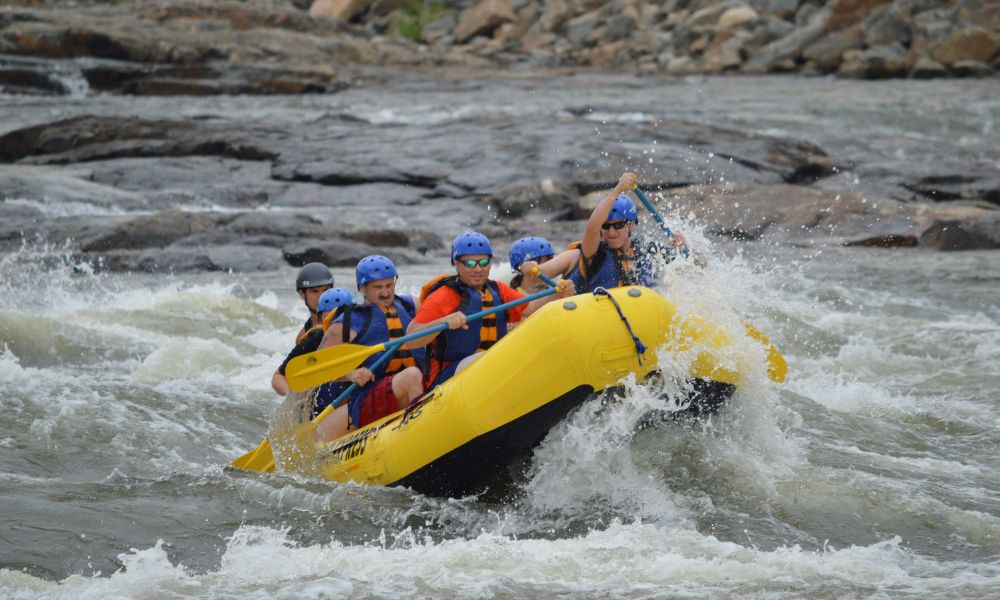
(640, 348)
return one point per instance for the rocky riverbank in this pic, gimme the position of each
(130, 174)
(852, 38)
(198, 47)
(215, 189)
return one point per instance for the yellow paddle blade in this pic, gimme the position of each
(777, 368)
(316, 368)
(259, 459)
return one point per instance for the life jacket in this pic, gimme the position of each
(373, 327)
(517, 282)
(304, 332)
(452, 345)
(332, 315)
(612, 268)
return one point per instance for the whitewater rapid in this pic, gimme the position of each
(873, 470)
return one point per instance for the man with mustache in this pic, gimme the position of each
(382, 318)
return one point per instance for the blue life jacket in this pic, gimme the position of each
(605, 269)
(452, 345)
(372, 329)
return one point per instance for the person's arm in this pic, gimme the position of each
(592, 232)
(334, 335)
(279, 384)
(561, 264)
(454, 321)
(438, 308)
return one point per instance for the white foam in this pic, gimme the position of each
(621, 560)
(189, 358)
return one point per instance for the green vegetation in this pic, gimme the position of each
(409, 22)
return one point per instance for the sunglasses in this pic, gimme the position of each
(615, 224)
(471, 263)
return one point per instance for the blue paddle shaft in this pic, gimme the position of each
(656, 215)
(391, 347)
(548, 280)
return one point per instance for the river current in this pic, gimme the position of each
(872, 472)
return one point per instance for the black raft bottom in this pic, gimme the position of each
(470, 468)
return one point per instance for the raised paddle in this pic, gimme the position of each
(309, 370)
(656, 215)
(261, 458)
(777, 368)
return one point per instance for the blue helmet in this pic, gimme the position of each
(372, 268)
(470, 242)
(333, 298)
(623, 210)
(529, 248)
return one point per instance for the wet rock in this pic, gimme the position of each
(483, 19)
(932, 24)
(438, 29)
(887, 26)
(781, 8)
(966, 43)
(341, 253)
(704, 19)
(275, 224)
(14, 80)
(844, 13)
(233, 258)
(490, 155)
(827, 53)
(619, 27)
(984, 13)
(971, 68)
(959, 235)
(241, 258)
(926, 68)
(885, 241)
(94, 138)
(546, 195)
(886, 61)
(795, 214)
(790, 46)
(740, 16)
(153, 231)
(586, 29)
(971, 185)
(148, 261)
(380, 237)
(343, 10)
(725, 52)
(38, 184)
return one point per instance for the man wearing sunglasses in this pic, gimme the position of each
(608, 254)
(470, 290)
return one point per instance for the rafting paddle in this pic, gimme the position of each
(316, 368)
(777, 368)
(261, 458)
(656, 215)
(334, 362)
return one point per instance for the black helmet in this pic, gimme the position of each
(313, 274)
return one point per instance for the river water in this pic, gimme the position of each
(873, 472)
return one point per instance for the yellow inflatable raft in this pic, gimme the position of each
(461, 434)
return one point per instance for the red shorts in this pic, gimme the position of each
(379, 402)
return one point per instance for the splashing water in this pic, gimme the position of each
(869, 473)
